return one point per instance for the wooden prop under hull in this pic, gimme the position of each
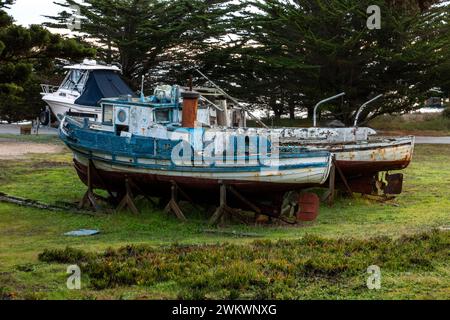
(266, 196)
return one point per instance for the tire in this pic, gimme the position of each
(44, 118)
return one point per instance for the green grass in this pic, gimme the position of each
(263, 269)
(429, 124)
(25, 233)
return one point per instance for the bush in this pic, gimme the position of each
(446, 112)
(259, 270)
(68, 255)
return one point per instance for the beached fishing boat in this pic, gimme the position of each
(158, 142)
(360, 154)
(359, 151)
(81, 90)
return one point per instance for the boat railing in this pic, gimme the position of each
(47, 88)
(325, 101)
(358, 114)
(212, 103)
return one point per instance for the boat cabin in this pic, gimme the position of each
(128, 116)
(83, 87)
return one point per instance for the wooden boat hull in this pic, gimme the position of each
(369, 157)
(147, 162)
(264, 182)
(375, 156)
(200, 189)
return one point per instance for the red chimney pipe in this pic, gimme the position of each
(190, 108)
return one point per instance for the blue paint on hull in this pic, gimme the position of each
(91, 143)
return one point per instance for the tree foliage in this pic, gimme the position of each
(27, 55)
(146, 36)
(279, 55)
(291, 54)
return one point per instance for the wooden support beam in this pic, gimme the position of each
(344, 179)
(173, 206)
(144, 194)
(128, 199)
(89, 199)
(244, 200)
(222, 209)
(225, 212)
(331, 192)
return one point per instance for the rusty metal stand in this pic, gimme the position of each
(173, 206)
(127, 200)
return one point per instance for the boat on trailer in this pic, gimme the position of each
(83, 87)
(159, 142)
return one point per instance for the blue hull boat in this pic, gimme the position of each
(157, 142)
(149, 163)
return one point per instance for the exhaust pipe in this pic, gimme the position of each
(190, 108)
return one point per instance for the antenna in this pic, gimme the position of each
(142, 89)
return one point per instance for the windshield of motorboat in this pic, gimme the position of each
(75, 80)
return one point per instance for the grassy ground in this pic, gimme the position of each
(415, 124)
(169, 259)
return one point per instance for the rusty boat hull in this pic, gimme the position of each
(367, 164)
(374, 156)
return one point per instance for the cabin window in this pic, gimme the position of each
(162, 116)
(108, 114)
(75, 80)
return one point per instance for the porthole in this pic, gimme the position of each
(122, 116)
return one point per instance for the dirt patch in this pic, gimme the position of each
(18, 150)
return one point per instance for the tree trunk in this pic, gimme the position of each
(292, 110)
(311, 113)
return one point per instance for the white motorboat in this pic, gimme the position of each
(83, 87)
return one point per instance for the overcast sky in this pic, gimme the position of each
(27, 12)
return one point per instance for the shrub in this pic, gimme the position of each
(68, 255)
(446, 112)
(259, 270)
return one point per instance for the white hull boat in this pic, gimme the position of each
(83, 87)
